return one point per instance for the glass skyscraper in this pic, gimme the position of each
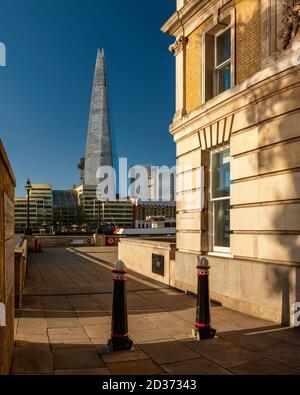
(99, 144)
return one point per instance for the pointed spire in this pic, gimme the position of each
(99, 146)
(100, 53)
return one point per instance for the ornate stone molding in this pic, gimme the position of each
(290, 21)
(217, 133)
(178, 45)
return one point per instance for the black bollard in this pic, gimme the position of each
(119, 338)
(203, 329)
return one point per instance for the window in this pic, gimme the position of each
(220, 200)
(218, 57)
(223, 61)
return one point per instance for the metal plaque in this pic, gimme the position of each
(158, 264)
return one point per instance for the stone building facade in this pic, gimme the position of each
(237, 132)
(143, 209)
(96, 212)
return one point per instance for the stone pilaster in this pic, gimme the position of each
(179, 51)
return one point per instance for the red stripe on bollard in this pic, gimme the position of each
(119, 336)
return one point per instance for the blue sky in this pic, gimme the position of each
(45, 89)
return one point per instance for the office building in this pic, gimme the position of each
(66, 209)
(143, 209)
(41, 208)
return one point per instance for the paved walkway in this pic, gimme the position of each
(65, 324)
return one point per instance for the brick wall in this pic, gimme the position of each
(7, 185)
(248, 49)
(193, 67)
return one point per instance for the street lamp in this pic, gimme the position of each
(28, 187)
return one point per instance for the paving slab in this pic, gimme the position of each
(66, 337)
(94, 320)
(188, 315)
(200, 366)
(60, 314)
(77, 358)
(249, 341)
(58, 334)
(63, 323)
(173, 326)
(167, 352)
(83, 372)
(164, 319)
(264, 367)
(138, 323)
(32, 326)
(22, 340)
(135, 368)
(124, 356)
(223, 353)
(285, 353)
(94, 331)
(148, 335)
(32, 360)
(289, 335)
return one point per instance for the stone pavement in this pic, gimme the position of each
(65, 324)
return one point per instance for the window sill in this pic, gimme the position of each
(221, 255)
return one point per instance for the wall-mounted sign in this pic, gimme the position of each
(158, 264)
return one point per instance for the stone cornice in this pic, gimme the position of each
(175, 22)
(255, 89)
(180, 21)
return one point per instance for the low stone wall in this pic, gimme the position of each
(138, 253)
(65, 241)
(21, 253)
(265, 290)
(261, 289)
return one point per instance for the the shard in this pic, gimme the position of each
(99, 144)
